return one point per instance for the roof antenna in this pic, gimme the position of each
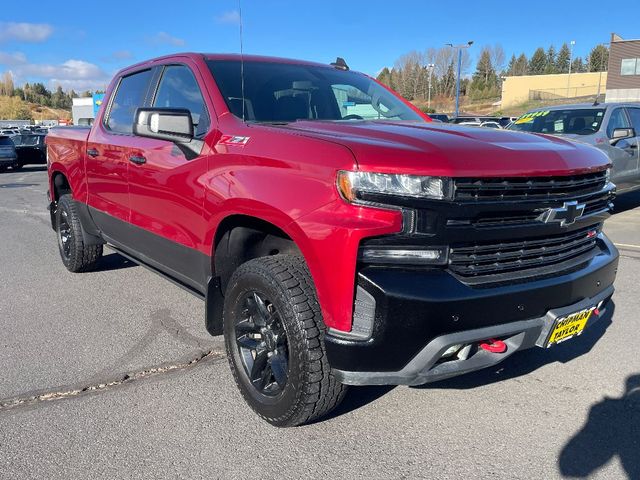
(340, 64)
(241, 62)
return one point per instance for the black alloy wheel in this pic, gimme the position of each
(262, 344)
(274, 337)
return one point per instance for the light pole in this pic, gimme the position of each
(572, 43)
(431, 66)
(459, 48)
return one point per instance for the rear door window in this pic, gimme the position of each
(179, 89)
(130, 95)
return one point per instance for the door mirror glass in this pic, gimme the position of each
(621, 134)
(172, 124)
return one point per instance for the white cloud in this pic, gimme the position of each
(25, 32)
(11, 59)
(163, 38)
(73, 73)
(231, 17)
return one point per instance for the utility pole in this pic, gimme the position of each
(571, 44)
(431, 66)
(459, 48)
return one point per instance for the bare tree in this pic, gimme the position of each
(496, 53)
(6, 84)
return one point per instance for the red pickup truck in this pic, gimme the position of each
(337, 236)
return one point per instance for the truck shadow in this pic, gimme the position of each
(611, 430)
(114, 261)
(527, 361)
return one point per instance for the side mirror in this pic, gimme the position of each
(621, 134)
(172, 124)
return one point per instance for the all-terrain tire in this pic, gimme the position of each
(76, 256)
(311, 390)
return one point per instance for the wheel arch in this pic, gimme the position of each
(239, 238)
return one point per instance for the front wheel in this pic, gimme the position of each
(274, 337)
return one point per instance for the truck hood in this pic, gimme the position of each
(453, 150)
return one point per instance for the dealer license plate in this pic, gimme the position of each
(569, 326)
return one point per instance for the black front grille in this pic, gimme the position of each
(474, 260)
(528, 188)
(598, 203)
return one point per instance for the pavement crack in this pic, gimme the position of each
(106, 384)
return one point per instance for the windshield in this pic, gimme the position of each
(580, 121)
(281, 93)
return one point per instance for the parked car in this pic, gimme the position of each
(31, 149)
(439, 116)
(613, 128)
(8, 155)
(337, 235)
(491, 124)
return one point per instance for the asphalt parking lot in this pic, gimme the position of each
(111, 374)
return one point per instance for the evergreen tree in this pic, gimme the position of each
(511, 69)
(563, 59)
(599, 59)
(384, 77)
(522, 65)
(538, 62)
(485, 79)
(550, 67)
(578, 65)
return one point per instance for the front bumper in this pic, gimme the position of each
(419, 314)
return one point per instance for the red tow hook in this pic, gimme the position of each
(494, 346)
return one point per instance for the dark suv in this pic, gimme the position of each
(8, 155)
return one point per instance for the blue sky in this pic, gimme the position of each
(81, 45)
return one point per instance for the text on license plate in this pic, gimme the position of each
(570, 326)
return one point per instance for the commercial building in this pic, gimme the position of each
(85, 109)
(557, 87)
(623, 84)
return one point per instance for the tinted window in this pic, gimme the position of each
(618, 120)
(634, 113)
(179, 89)
(129, 97)
(281, 92)
(582, 121)
(6, 141)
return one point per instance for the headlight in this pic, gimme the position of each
(355, 186)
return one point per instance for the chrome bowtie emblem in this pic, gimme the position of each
(565, 215)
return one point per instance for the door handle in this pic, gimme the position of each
(92, 152)
(137, 159)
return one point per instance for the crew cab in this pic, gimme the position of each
(336, 235)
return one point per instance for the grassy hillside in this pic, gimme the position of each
(14, 108)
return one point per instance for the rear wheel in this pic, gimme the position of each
(274, 337)
(76, 256)
(18, 165)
